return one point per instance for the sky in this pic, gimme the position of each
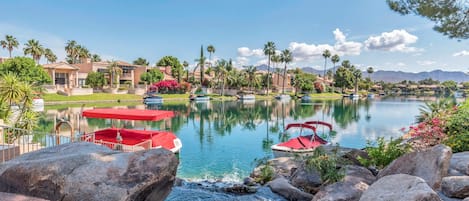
(366, 32)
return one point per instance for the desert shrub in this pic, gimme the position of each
(326, 165)
(382, 154)
(457, 130)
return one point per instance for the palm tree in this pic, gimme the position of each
(251, 74)
(335, 59)
(326, 54)
(286, 57)
(34, 49)
(357, 74)
(50, 56)
(71, 50)
(210, 50)
(269, 50)
(10, 91)
(114, 71)
(201, 63)
(186, 64)
(9, 43)
(276, 59)
(82, 53)
(370, 71)
(95, 58)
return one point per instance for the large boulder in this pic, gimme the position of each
(400, 187)
(431, 165)
(309, 180)
(283, 166)
(16, 197)
(85, 171)
(343, 190)
(356, 174)
(281, 186)
(460, 162)
(455, 186)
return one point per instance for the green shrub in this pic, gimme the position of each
(457, 130)
(326, 165)
(266, 170)
(384, 153)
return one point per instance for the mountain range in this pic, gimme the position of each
(398, 76)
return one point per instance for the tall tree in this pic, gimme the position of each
(275, 59)
(201, 63)
(370, 71)
(26, 69)
(269, 50)
(286, 58)
(357, 74)
(50, 56)
(141, 61)
(115, 71)
(251, 75)
(9, 43)
(335, 59)
(210, 50)
(451, 17)
(152, 76)
(343, 78)
(95, 58)
(186, 65)
(83, 53)
(71, 50)
(34, 49)
(176, 66)
(326, 54)
(346, 64)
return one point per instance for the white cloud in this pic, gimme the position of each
(426, 63)
(462, 53)
(246, 52)
(241, 61)
(394, 41)
(311, 52)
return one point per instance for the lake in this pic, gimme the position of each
(221, 139)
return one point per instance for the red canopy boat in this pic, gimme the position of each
(131, 139)
(302, 143)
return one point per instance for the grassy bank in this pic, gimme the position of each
(54, 98)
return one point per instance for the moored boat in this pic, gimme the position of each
(283, 97)
(306, 98)
(132, 139)
(303, 144)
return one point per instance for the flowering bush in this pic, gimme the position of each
(319, 87)
(168, 86)
(431, 132)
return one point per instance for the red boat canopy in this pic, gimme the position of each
(128, 114)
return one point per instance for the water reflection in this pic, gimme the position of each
(223, 138)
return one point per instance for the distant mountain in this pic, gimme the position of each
(397, 76)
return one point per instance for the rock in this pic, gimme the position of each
(343, 190)
(281, 186)
(283, 166)
(460, 162)
(455, 186)
(307, 180)
(400, 187)
(454, 172)
(466, 199)
(249, 181)
(16, 197)
(356, 174)
(240, 189)
(85, 171)
(354, 154)
(431, 165)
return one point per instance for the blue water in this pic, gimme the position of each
(221, 140)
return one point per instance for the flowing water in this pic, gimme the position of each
(221, 139)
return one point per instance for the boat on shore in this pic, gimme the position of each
(132, 139)
(306, 98)
(247, 97)
(283, 97)
(306, 142)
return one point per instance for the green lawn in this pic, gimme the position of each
(92, 97)
(326, 95)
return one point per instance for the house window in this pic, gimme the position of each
(81, 82)
(61, 78)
